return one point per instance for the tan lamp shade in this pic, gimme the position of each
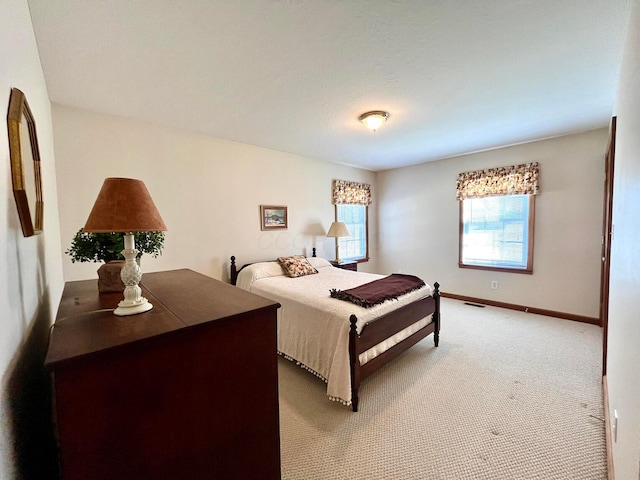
(124, 205)
(338, 229)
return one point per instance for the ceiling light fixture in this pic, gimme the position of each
(374, 120)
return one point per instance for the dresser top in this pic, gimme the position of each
(182, 299)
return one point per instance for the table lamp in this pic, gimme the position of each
(338, 230)
(124, 205)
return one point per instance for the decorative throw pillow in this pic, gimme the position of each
(296, 266)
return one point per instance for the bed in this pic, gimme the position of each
(339, 341)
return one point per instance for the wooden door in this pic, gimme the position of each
(606, 240)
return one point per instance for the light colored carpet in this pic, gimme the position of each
(506, 395)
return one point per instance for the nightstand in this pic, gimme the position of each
(353, 266)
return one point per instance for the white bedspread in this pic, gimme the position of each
(313, 328)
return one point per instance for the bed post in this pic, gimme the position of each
(354, 362)
(313, 252)
(233, 271)
(436, 314)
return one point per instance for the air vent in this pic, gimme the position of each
(474, 305)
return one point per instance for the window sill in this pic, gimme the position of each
(526, 271)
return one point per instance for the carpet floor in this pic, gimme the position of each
(506, 395)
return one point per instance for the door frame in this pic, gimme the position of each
(607, 234)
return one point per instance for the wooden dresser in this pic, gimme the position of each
(188, 390)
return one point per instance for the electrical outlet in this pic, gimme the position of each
(494, 284)
(614, 427)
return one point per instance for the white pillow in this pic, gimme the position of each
(319, 262)
(256, 271)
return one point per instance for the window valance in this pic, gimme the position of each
(351, 193)
(514, 180)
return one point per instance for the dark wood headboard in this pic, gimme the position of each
(234, 270)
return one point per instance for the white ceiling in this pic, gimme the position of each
(456, 76)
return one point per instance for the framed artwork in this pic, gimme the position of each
(273, 217)
(25, 164)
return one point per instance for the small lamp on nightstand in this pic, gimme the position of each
(124, 205)
(338, 230)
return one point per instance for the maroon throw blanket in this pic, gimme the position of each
(378, 291)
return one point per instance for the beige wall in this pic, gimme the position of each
(208, 192)
(623, 352)
(419, 223)
(31, 272)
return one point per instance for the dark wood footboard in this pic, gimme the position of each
(381, 328)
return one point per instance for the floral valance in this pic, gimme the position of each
(514, 180)
(351, 193)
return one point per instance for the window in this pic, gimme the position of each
(496, 217)
(352, 200)
(497, 233)
(355, 247)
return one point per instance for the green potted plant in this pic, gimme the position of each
(107, 248)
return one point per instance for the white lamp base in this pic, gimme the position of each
(124, 310)
(131, 275)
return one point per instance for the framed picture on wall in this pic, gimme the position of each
(273, 217)
(26, 174)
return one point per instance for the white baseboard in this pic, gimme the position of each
(607, 429)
